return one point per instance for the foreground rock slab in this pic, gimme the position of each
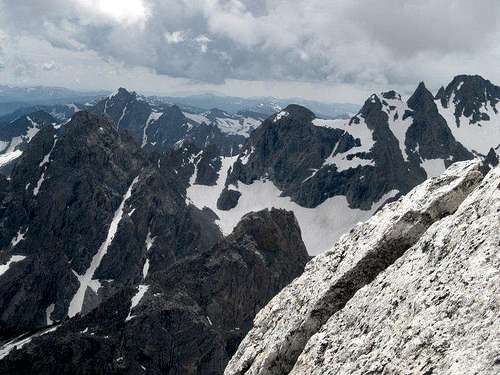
(284, 327)
(435, 311)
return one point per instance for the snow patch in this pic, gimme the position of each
(46, 158)
(33, 130)
(145, 269)
(36, 190)
(244, 159)
(198, 118)
(149, 241)
(280, 115)
(320, 226)
(479, 137)
(349, 159)
(122, 116)
(48, 313)
(231, 125)
(18, 238)
(136, 299)
(11, 153)
(153, 116)
(395, 110)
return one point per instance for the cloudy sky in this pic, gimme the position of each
(331, 50)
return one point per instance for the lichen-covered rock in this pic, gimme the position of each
(283, 328)
(435, 311)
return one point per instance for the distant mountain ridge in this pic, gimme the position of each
(13, 98)
(263, 105)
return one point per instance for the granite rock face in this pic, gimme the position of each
(435, 310)
(348, 290)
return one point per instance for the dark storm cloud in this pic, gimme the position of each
(346, 41)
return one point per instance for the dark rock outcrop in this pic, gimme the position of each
(429, 129)
(192, 317)
(470, 93)
(228, 199)
(62, 209)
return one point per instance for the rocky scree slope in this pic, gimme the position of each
(397, 294)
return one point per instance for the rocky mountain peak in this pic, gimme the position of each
(123, 94)
(273, 230)
(422, 99)
(296, 113)
(372, 104)
(391, 95)
(87, 122)
(471, 96)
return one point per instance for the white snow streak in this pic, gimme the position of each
(46, 158)
(19, 237)
(154, 116)
(14, 259)
(145, 268)
(121, 117)
(136, 299)
(36, 190)
(48, 313)
(20, 341)
(86, 280)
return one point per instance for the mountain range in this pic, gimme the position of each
(142, 236)
(13, 98)
(263, 105)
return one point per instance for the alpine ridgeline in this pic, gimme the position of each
(335, 173)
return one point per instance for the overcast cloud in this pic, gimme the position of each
(280, 47)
